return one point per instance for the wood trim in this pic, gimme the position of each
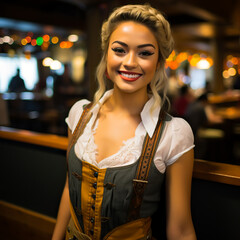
(47, 140)
(21, 223)
(211, 171)
(217, 172)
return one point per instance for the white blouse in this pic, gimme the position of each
(177, 138)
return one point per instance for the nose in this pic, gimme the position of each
(130, 60)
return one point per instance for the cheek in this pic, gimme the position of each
(150, 67)
(110, 58)
(113, 62)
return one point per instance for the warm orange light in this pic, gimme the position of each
(232, 72)
(28, 38)
(172, 56)
(181, 57)
(210, 60)
(55, 40)
(234, 60)
(46, 38)
(69, 44)
(28, 55)
(62, 44)
(174, 65)
(194, 60)
(45, 46)
(225, 74)
(65, 44)
(24, 41)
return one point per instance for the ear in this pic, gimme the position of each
(107, 75)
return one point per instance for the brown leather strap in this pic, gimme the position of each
(140, 181)
(85, 117)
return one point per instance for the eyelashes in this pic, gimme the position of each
(118, 50)
(144, 53)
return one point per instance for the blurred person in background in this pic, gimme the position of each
(199, 113)
(17, 84)
(180, 104)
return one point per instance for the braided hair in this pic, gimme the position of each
(155, 21)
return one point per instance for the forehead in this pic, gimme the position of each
(131, 31)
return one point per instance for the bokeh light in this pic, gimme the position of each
(46, 62)
(66, 44)
(29, 39)
(232, 72)
(55, 65)
(34, 42)
(73, 38)
(39, 41)
(24, 41)
(55, 40)
(225, 74)
(46, 38)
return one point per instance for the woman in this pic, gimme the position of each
(125, 143)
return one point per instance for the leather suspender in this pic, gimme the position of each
(85, 117)
(149, 148)
(139, 183)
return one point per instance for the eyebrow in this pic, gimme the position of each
(139, 46)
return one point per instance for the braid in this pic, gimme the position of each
(155, 21)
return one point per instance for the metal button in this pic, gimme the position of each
(91, 231)
(92, 220)
(95, 185)
(93, 206)
(95, 174)
(93, 196)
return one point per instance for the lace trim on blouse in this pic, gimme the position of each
(128, 153)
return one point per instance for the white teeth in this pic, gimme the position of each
(130, 75)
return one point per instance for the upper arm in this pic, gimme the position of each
(178, 193)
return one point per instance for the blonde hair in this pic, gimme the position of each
(155, 21)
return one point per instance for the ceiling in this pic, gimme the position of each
(196, 24)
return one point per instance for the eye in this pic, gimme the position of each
(118, 50)
(146, 53)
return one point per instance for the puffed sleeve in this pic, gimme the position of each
(181, 139)
(177, 138)
(75, 114)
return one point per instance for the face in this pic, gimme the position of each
(132, 57)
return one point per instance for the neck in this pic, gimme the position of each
(130, 103)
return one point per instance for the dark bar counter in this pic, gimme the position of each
(33, 171)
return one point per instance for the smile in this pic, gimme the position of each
(129, 76)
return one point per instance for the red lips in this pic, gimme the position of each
(129, 76)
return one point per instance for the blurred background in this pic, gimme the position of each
(49, 51)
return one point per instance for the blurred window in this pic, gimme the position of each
(28, 71)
